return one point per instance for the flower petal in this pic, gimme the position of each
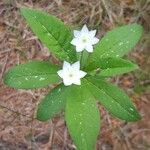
(77, 82)
(76, 33)
(95, 40)
(66, 65)
(76, 65)
(75, 41)
(67, 81)
(89, 48)
(79, 47)
(92, 33)
(60, 73)
(85, 29)
(82, 74)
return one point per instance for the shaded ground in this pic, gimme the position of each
(18, 129)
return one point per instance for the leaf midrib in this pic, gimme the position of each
(117, 68)
(132, 65)
(34, 75)
(110, 97)
(110, 48)
(61, 45)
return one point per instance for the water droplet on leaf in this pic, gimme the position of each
(121, 43)
(42, 79)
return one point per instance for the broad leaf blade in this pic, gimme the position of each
(53, 103)
(111, 66)
(117, 42)
(82, 117)
(52, 32)
(34, 74)
(114, 99)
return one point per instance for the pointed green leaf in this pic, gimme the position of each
(53, 103)
(52, 32)
(34, 74)
(111, 66)
(82, 118)
(114, 99)
(117, 42)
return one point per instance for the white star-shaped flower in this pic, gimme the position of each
(71, 74)
(84, 39)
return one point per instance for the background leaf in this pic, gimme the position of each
(114, 99)
(52, 32)
(82, 117)
(53, 103)
(111, 66)
(117, 42)
(34, 74)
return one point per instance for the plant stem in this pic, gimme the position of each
(84, 58)
(79, 56)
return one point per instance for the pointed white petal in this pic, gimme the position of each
(66, 65)
(71, 74)
(82, 74)
(95, 40)
(67, 82)
(77, 82)
(75, 41)
(79, 47)
(76, 33)
(76, 65)
(89, 48)
(92, 33)
(84, 29)
(60, 73)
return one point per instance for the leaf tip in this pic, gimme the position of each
(6, 78)
(139, 28)
(41, 117)
(136, 117)
(24, 10)
(136, 66)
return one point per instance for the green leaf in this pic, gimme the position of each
(114, 99)
(111, 66)
(117, 42)
(53, 103)
(52, 32)
(34, 74)
(82, 117)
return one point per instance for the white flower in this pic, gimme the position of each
(71, 74)
(84, 39)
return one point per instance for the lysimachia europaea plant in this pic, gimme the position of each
(97, 59)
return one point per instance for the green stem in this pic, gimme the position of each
(79, 56)
(84, 58)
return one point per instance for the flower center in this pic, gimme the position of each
(84, 40)
(70, 75)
